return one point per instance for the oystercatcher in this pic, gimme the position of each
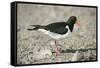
(58, 30)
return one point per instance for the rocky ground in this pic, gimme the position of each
(35, 47)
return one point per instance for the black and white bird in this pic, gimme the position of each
(58, 30)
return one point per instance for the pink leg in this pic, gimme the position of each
(57, 48)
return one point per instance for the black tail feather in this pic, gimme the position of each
(35, 27)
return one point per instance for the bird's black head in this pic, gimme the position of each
(71, 21)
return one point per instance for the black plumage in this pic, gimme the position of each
(58, 27)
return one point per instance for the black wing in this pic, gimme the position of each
(59, 27)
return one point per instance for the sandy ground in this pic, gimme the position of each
(35, 47)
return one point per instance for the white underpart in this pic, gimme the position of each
(55, 35)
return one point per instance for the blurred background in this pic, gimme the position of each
(35, 47)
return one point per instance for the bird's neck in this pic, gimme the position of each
(71, 26)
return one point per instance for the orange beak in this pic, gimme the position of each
(78, 23)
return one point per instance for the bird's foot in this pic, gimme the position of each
(57, 53)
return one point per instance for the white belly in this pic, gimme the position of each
(58, 36)
(55, 35)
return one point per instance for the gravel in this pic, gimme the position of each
(35, 47)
